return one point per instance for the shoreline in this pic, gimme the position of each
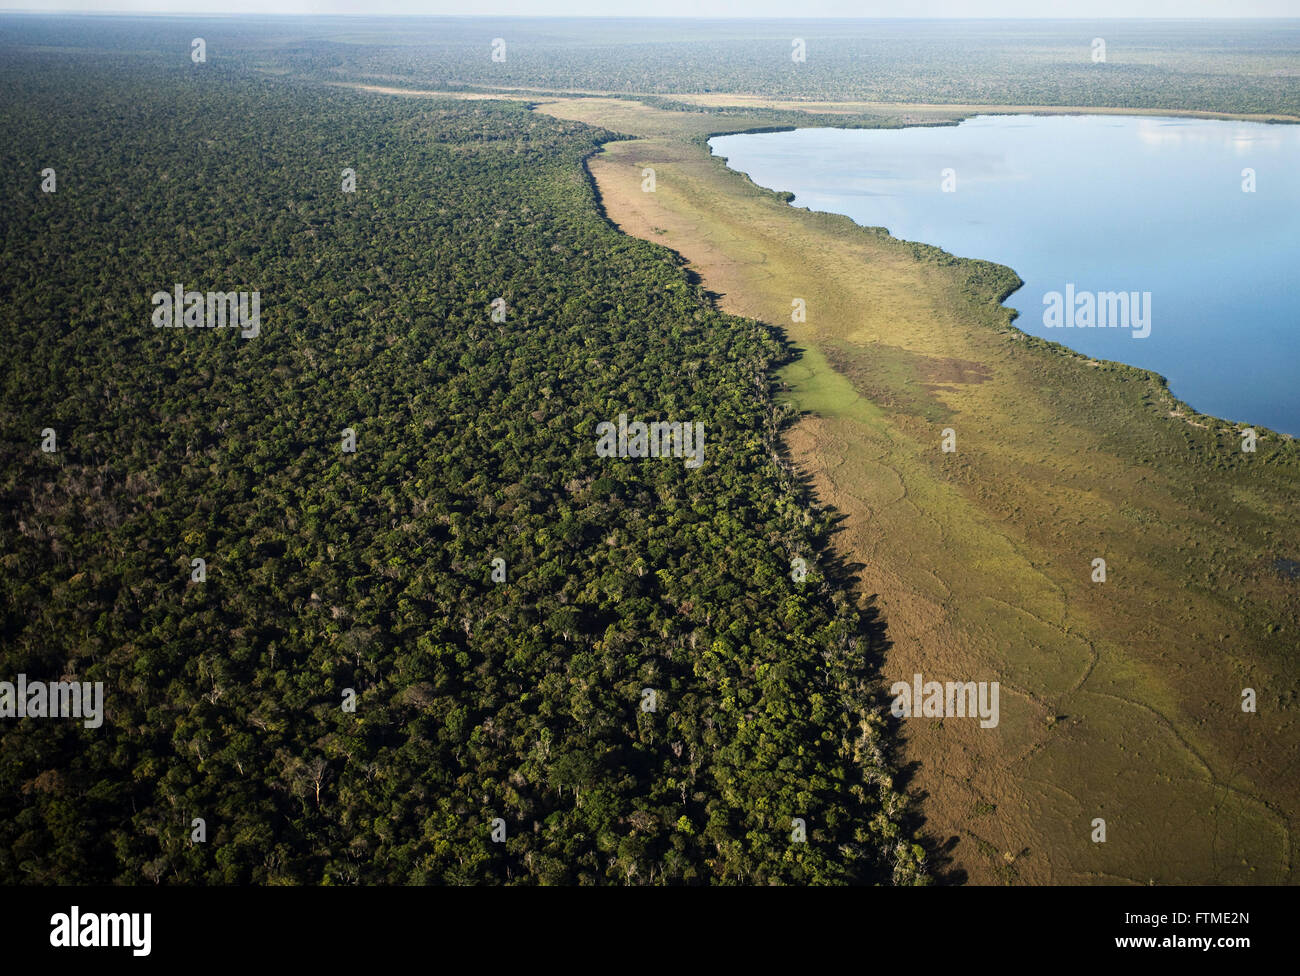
(1181, 408)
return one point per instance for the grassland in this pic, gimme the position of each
(1121, 699)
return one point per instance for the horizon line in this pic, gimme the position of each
(37, 11)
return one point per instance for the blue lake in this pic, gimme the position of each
(1083, 206)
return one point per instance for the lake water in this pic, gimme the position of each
(1094, 204)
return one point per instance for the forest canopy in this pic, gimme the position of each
(498, 729)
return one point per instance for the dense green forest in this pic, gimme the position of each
(1219, 65)
(477, 700)
(1216, 65)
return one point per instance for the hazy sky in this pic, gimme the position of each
(794, 9)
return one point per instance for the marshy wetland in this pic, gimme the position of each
(1186, 225)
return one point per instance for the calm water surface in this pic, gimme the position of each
(1104, 204)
